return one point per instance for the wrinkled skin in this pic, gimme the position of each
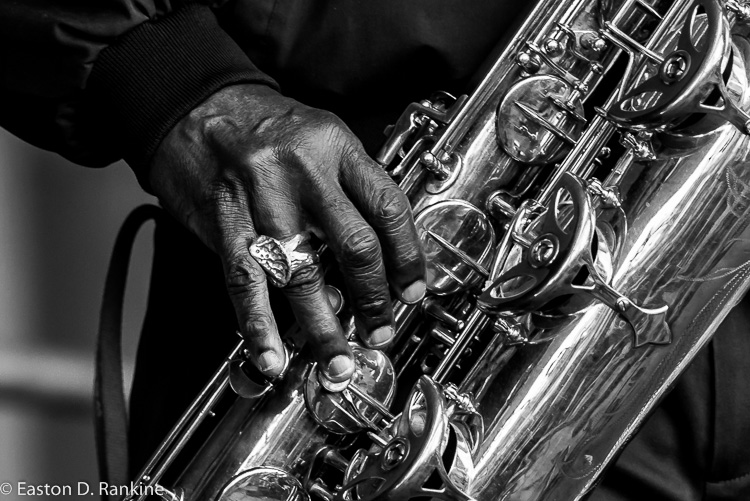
(250, 162)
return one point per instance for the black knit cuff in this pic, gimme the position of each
(156, 73)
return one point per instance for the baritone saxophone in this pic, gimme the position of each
(585, 217)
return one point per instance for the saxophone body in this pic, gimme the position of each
(583, 245)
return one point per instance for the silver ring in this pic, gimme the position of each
(281, 259)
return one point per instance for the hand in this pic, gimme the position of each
(251, 162)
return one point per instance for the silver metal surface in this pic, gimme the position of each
(183, 430)
(264, 484)
(373, 385)
(526, 393)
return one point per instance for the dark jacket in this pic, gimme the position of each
(97, 80)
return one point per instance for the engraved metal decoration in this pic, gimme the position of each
(281, 259)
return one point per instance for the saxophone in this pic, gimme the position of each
(583, 244)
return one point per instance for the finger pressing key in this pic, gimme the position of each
(387, 209)
(314, 313)
(246, 284)
(358, 253)
(293, 263)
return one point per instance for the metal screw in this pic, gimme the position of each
(623, 304)
(530, 63)
(394, 454)
(543, 251)
(553, 47)
(675, 67)
(500, 206)
(435, 166)
(513, 332)
(593, 43)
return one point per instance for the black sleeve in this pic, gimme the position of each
(99, 80)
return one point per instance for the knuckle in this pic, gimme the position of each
(242, 277)
(216, 129)
(305, 281)
(256, 327)
(263, 157)
(221, 192)
(392, 207)
(413, 259)
(360, 247)
(222, 201)
(317, 140)
(374, 304)
(325, 331)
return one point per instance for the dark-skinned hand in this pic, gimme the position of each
(249, 161)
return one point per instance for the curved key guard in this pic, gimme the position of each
(553, 259)
(687, 78)
(401, 469)
(556, 257)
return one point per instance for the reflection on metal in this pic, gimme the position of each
(457, 238)
(532, 127)
(370, 391)
(401, 468)
(335, 298)
(740, 9)
(432, 307)
(264, 484)
(690, 79)
(461, 255)
(553, 258)
(167, 495)
(570, 280)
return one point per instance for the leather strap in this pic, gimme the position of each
(109, 393)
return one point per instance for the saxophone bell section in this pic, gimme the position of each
(585, 216)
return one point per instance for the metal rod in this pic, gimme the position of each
(561, 72)
(625, 42)
(378, 406)
(476, 322)
(648, 8)
(539, 119)
(465, 258)
(377, 439)
(439, 333)
(184, 428)
(317, 488)
(622, 11)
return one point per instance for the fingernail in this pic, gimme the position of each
(268, 361)
(330, 385)
(414, 292)
(339, 366)
(381, 336)
(335, 298)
